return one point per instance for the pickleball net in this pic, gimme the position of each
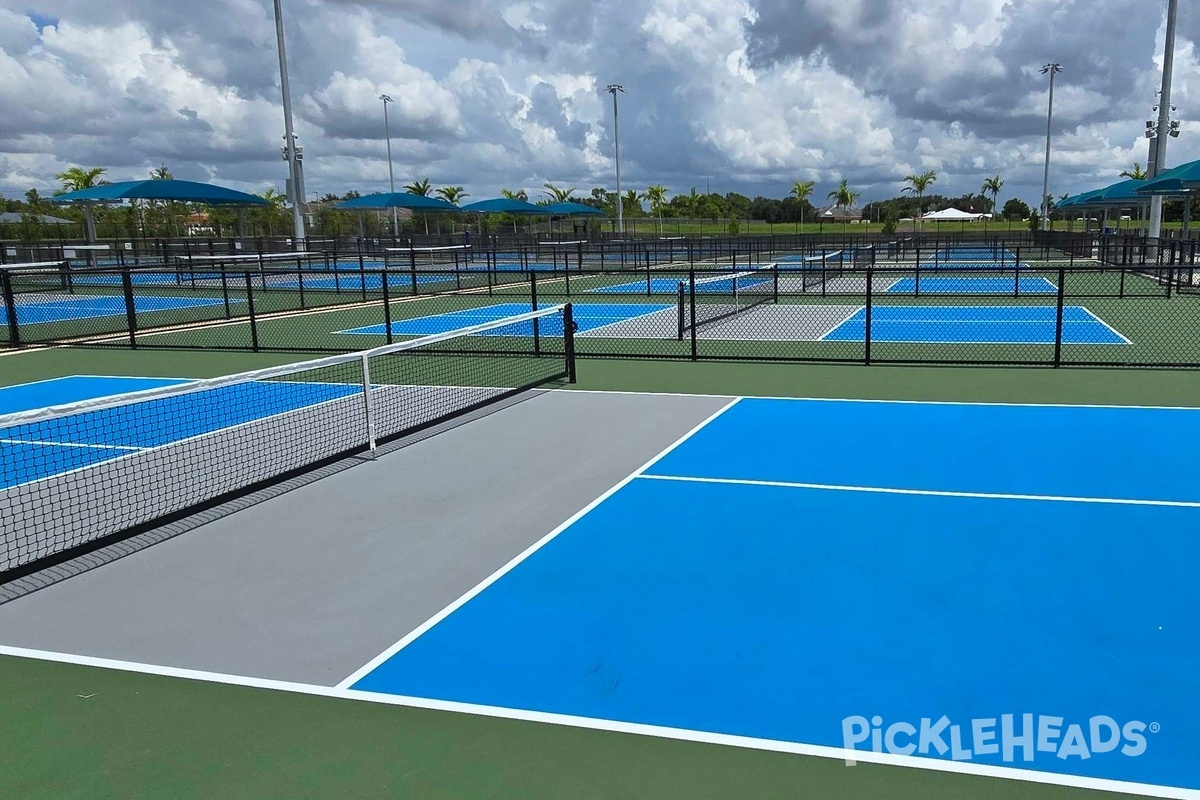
(710, 299)
(77, 477)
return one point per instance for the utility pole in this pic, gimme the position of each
(292, 153)
(1163, 128)
(1052, 69)
(387, 132)
(613, 88)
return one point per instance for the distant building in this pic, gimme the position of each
(837, 214)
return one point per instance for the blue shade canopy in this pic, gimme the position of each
(1178, 180)
(179, 191)
(1066, 202)
(503, 205)
(1122, 193)
(415, 202)
(573, 209)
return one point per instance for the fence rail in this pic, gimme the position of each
(1045, 299)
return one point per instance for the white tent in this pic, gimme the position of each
(951, 215)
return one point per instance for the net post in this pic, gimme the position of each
(362, 273)
(387, 307)
(867, 322)
(412, 267)
(1058, 317)
(569, 340)
(14, 330)
(130, 308)
(300, 283)
(250, 309)
(225, 293)
(368, 409)
(533, 298)
(692, 311)
(649, 277)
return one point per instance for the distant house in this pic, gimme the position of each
(14, 218)
(837, 214)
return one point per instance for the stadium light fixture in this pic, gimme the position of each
(387, 132)
(1154, 229)
(614, 88)
(1052, 70)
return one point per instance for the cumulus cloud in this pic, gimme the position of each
(751, 94)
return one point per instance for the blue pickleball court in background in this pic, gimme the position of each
(88, 307)
(970, 285)
(587, 316)
(787, 569)
(975, 325)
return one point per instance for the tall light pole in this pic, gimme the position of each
(1164, 120)
(291, 152)
(387, 132)
(613, 88)
(1052, 69)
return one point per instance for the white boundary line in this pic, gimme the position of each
(849, 317)
(420, 630)
(870, 400)
(924, 492)
(37, 443)
(1105, 324)
(660, 732)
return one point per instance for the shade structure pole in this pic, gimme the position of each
(1164, 119)
(290, 150)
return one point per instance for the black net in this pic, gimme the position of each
(720, 297)
(77, 476)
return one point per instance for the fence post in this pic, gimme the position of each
(537, 333)
(692, 311)
(130, 308)
(362, 273)
(387, 306)
(1058, 320)
(14, 331)
(412, 265)
(250, 308)
(867, 326)
(569, 342)
(225, 292)
(681, 310)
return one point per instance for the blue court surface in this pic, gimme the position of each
(587, 316)
(975, 325)
(371, 282)
(43, 449)
(88, 307)
(140, 278)
(966, 285)
(991, 584)
(704, 284)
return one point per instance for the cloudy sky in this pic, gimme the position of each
(749, 95)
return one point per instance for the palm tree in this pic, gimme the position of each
(77, 178)
(843, 197)
(519, 194)
(656, 195)
(917, 184)
(1136, 174)
(452, 194)
(421, 187)
(632, 200)
(558, 195)
(992, 186)
(802, 190)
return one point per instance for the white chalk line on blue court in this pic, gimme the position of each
(420, 630)
(923, 492)
(612, 726)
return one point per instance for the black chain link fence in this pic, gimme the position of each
(1045, 299)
